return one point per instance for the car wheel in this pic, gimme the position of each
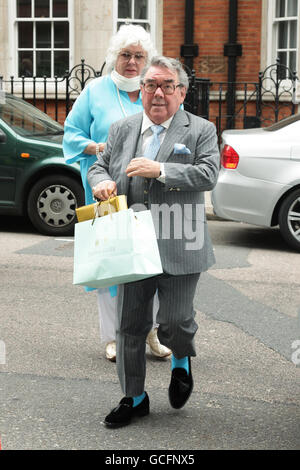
(289, 219)
(52, 202)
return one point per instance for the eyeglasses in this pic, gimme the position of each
(126, 56)
(167, 88)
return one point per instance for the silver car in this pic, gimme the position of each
(259, 180)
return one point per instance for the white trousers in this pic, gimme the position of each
(107, 308)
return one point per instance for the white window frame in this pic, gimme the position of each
(13, 44)
(272, 36)
(272, 47)
(151, 19)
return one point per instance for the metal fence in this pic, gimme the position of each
(58, 91)
(255, 104)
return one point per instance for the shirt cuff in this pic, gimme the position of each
(162, 176)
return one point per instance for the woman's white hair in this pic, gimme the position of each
(128, 35)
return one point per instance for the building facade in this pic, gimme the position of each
(223, 40)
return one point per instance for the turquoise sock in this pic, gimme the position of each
(138, 400)
(183, 363)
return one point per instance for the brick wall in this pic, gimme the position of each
(211, 24)
(51, 109)
(173, 27)
(249, 35)
(211, 33)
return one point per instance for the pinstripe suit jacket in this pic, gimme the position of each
(178, 206)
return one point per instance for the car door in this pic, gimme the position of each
(7, 168)
(295, 152)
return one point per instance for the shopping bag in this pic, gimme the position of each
(101, 208)
(116, 249)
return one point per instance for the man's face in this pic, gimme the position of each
(159, 106)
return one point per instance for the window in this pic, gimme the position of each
(285, 28)
(43, 37)
(141, 12)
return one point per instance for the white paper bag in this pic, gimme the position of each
(116, 249)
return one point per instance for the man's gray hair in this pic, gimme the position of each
(169, 63)
(128, 35)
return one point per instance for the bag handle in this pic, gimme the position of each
(96, 209)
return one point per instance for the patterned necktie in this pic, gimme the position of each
(154, 144)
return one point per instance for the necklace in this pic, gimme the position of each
(120, 101)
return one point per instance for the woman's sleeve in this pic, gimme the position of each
(77, 129)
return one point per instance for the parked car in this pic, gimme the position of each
(259, 181)
(34, 178)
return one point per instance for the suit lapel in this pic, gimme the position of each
(131, 134)
(130, 137)
(177, 130)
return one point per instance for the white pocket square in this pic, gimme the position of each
(181, 148)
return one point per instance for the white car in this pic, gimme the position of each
(259, 180)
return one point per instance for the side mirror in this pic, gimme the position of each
(2, 137)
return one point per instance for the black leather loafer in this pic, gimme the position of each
(124, 412)
(181, 386)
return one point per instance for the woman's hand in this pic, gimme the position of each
(91, 148)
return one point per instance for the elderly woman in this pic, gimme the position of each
(104, 101)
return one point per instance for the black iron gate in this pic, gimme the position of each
(255, 104)
(77, 79)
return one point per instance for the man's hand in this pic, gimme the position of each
(143, 167)
(104, 190)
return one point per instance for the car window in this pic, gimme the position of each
(27, 120)
(283, 123)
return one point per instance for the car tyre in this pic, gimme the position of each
(289, 219)
(51, 204)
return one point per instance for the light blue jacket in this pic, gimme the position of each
(96, 108)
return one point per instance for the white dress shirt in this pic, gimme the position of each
(147, 135)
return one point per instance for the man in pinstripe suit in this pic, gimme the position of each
(171, 184)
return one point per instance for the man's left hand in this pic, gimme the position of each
(143, 167)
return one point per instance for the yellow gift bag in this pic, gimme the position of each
(101, 208)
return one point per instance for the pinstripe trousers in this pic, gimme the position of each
(177, 326)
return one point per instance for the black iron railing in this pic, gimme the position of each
(52, 90)
(255, 104)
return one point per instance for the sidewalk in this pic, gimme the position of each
(56, 386)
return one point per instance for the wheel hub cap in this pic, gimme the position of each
(56, 205)
(294, 219)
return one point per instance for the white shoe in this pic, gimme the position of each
(110, 351)
(157, 349)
